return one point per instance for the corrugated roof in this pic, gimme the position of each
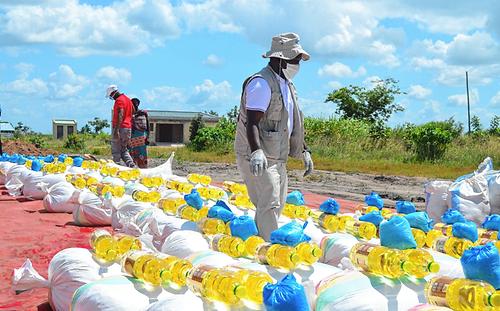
(62, 121)
(180, 115)
(6, 127)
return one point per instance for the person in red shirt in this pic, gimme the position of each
(123, 110)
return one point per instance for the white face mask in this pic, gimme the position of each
(291, 71)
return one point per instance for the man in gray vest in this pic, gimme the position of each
(270, 128)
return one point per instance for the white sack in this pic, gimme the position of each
(123, 214)
(436, 195)
(187, 301)
(470, 196)
(164, 225)
(35, 186)
(335, 247)
(16, 177)
(58, 198)
(68, 270)
(4, 167)
(90, 210)
(494, 191)
(211, 258)
(183, 244)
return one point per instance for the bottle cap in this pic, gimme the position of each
(111, 254)
(240, 291)
(494, 299)
(434, 267)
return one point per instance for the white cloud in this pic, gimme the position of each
(384, 54)
(165, 95)
(419, 92)
(334, 84)
(427, 63)
(213, 60)
(495, 100)
(80, 29)
(112, 75)
(478, 48)
(34, 87)
(24, 70)
(372, 81)
(461, 99)
(340, 70)
(66, 83)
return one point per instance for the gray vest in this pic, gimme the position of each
(273, 127)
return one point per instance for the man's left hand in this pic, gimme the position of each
(308, 163)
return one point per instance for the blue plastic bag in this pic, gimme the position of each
(405, 207)
(374, 217)
(452, 216)
(194, 199)
(330, 206)
(373, 199)
(465, 230)
(420, 220)
(221, 211)
(36, 165)
(48, 159)
(243, 227)
(21, 160)
(77, 161)
(482, 263)
(290, 234)
(286, 295)
(396, 233)
(492, 222)
(62, 157)
(295, 198)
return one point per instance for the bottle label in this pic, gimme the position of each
(439, 245)
(489, 234)
(353, 227)
(323, 218)
(262, 253)
(361, 256)
(215, 242)
(195, 278)
(442, 227)
(97, 234)
(437, 292)
(129, 261)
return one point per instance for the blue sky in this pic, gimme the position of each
(58, 56)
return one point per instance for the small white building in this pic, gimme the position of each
(6, 129)
(61, 129)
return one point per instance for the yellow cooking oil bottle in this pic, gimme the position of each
(242, 201)
(171, 205)
(124, 175)
(378, 259)
(103, 244)
(254, 281)
(211, 226)
(419, 237)
(146, 196)
(125, 243)
(235, 188)
(199, 179)
(487, 234)
(308, 252)
(483, 241)
(188, 212)
(326, 221)
(343, 220)
(215, 284)
(179, 269)
(361, 229)
(252, 243)
(432, 236)
(462, 294)
(452, 246)
(229, 245)
(147, 267)
(419, 263)
(278, 256)
(296, 211)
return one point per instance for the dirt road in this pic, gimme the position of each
(335, 184)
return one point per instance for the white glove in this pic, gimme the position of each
(308, 163)
(258, 162)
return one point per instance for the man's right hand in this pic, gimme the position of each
(258, 162)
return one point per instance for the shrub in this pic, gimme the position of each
(429, 141)
(38, 141)
(218, 138)
(75, 142)
(196, 125)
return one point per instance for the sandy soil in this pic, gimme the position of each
(335, 184)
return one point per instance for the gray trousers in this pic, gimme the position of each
(119, 147)
(267, 192)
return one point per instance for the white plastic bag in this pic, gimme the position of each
(494, 191)
(35, 186)
(58, 198)
(90, 210)
(163, 225)
(123, 213)
(436, 195)
(68, 270)
(4, 168)
(335, 247)
(183, 244)
(470, 196)
(16, 177)
(187, 301)
(117, 293)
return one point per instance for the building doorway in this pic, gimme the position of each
(170, 133)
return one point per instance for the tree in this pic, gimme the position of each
(495, 126)
(86, 129)
(212, 113)
(475, 124)
(21, 130)
(232, 115)
(98, 124)
(196, 125)
(375, 105)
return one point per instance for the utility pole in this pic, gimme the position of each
(468, 101)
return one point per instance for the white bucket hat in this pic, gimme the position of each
(286, 46)
(112, 88)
